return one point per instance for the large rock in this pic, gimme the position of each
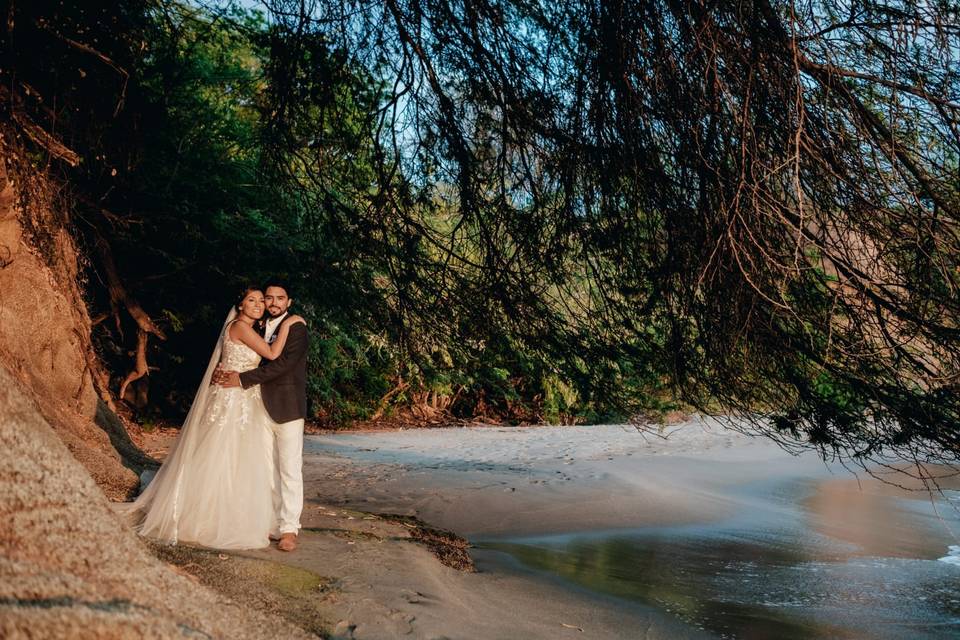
(70, 569)
(45, 333)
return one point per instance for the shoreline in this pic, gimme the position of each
(536, 486)
(164, 428)
(363, 576)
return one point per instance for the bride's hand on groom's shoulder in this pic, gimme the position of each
(295, 319)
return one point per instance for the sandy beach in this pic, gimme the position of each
(541, 506)
(498, 481)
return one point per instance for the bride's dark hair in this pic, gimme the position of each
(243, 294)
(258, 324)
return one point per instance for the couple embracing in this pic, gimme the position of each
(233, 479)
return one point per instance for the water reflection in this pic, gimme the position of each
(838, 563)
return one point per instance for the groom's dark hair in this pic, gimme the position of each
(278, 282)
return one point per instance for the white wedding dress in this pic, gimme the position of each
(214, 489)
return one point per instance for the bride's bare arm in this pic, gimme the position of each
(276, 348)
(242, 332)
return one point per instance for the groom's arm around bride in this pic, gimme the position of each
(286, 376)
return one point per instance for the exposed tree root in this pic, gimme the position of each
(119, 297)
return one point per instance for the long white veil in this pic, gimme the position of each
(164, 490)
(203, 393)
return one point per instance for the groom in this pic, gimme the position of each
(283, 387)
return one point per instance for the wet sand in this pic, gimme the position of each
(602, 532)
(726, 535)
(494, 481)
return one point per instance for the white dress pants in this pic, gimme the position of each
(287, 482)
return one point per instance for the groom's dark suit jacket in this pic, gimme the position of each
(283, 382)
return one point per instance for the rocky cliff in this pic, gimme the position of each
(69, 568)
(45, 329)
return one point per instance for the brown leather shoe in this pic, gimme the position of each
(288, 542)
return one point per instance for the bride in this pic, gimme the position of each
(214, 489)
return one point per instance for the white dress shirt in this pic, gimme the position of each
(272, 324)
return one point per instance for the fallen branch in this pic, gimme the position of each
(40, 137)
(386, 399)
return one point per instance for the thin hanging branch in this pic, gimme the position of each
(756, 200)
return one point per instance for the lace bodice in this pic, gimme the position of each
(237, 356)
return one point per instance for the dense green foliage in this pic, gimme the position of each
(539, 211)
(199, 132)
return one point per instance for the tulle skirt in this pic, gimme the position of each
(214, 489)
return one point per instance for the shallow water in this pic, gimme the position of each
(728, 535)
(770, 572)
